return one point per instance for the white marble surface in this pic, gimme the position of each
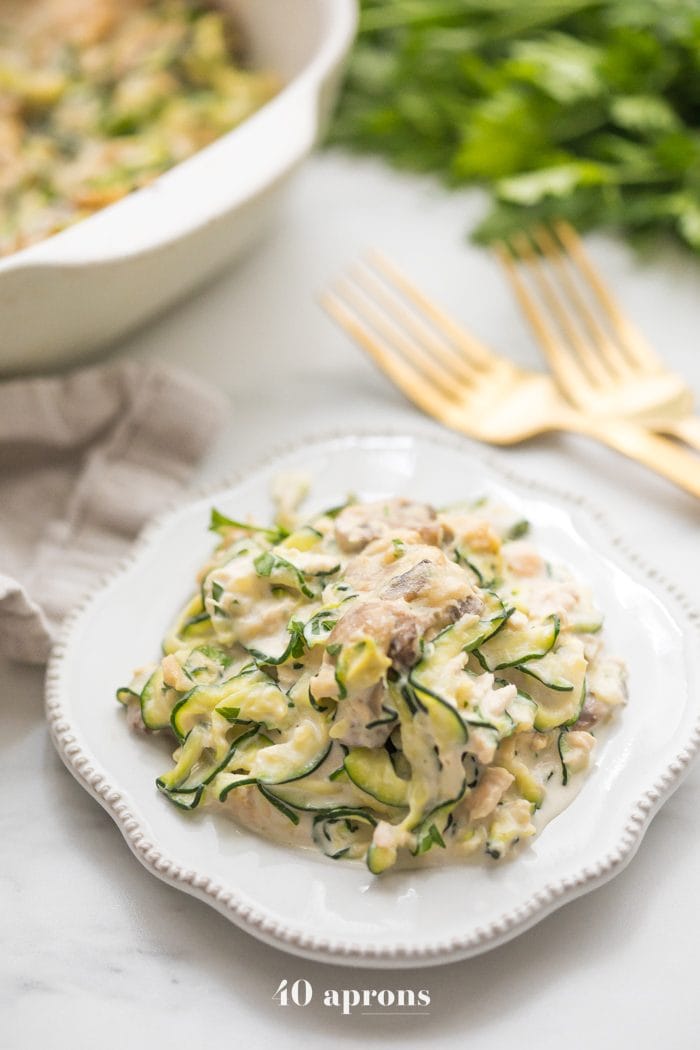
(96, 952)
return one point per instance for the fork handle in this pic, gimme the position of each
(687, 429)
(658, 453)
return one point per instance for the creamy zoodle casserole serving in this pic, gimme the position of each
(387, 682)
(100, 97)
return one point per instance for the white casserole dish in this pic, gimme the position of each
(89, 284)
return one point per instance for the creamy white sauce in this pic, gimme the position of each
(386, 621)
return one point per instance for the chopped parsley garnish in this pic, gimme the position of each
(219, 522)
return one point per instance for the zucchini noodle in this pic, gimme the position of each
(383, 682)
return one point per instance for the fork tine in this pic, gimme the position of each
(384, 292)
(473, 350)
(632, 341)
(573, 344)
(407, 378)
(602, 357)
(569, 374)
(360, 301)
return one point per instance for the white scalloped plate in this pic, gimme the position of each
(335, 911)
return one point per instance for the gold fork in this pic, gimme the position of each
(600, 360)
(456, 379)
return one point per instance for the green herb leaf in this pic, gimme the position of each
(219, 522)
(229, 713)
(282, 573)
(520, 528)
(586, 110)
(297, 646)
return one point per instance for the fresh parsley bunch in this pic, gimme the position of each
(584, 109)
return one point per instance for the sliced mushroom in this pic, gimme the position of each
(472, 605)
(360, 523)
(392, 626)
(409, 584)
(404, 647)
(361, 721)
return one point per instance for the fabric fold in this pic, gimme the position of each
(85, 461)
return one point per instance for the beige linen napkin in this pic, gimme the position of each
(85, 460)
